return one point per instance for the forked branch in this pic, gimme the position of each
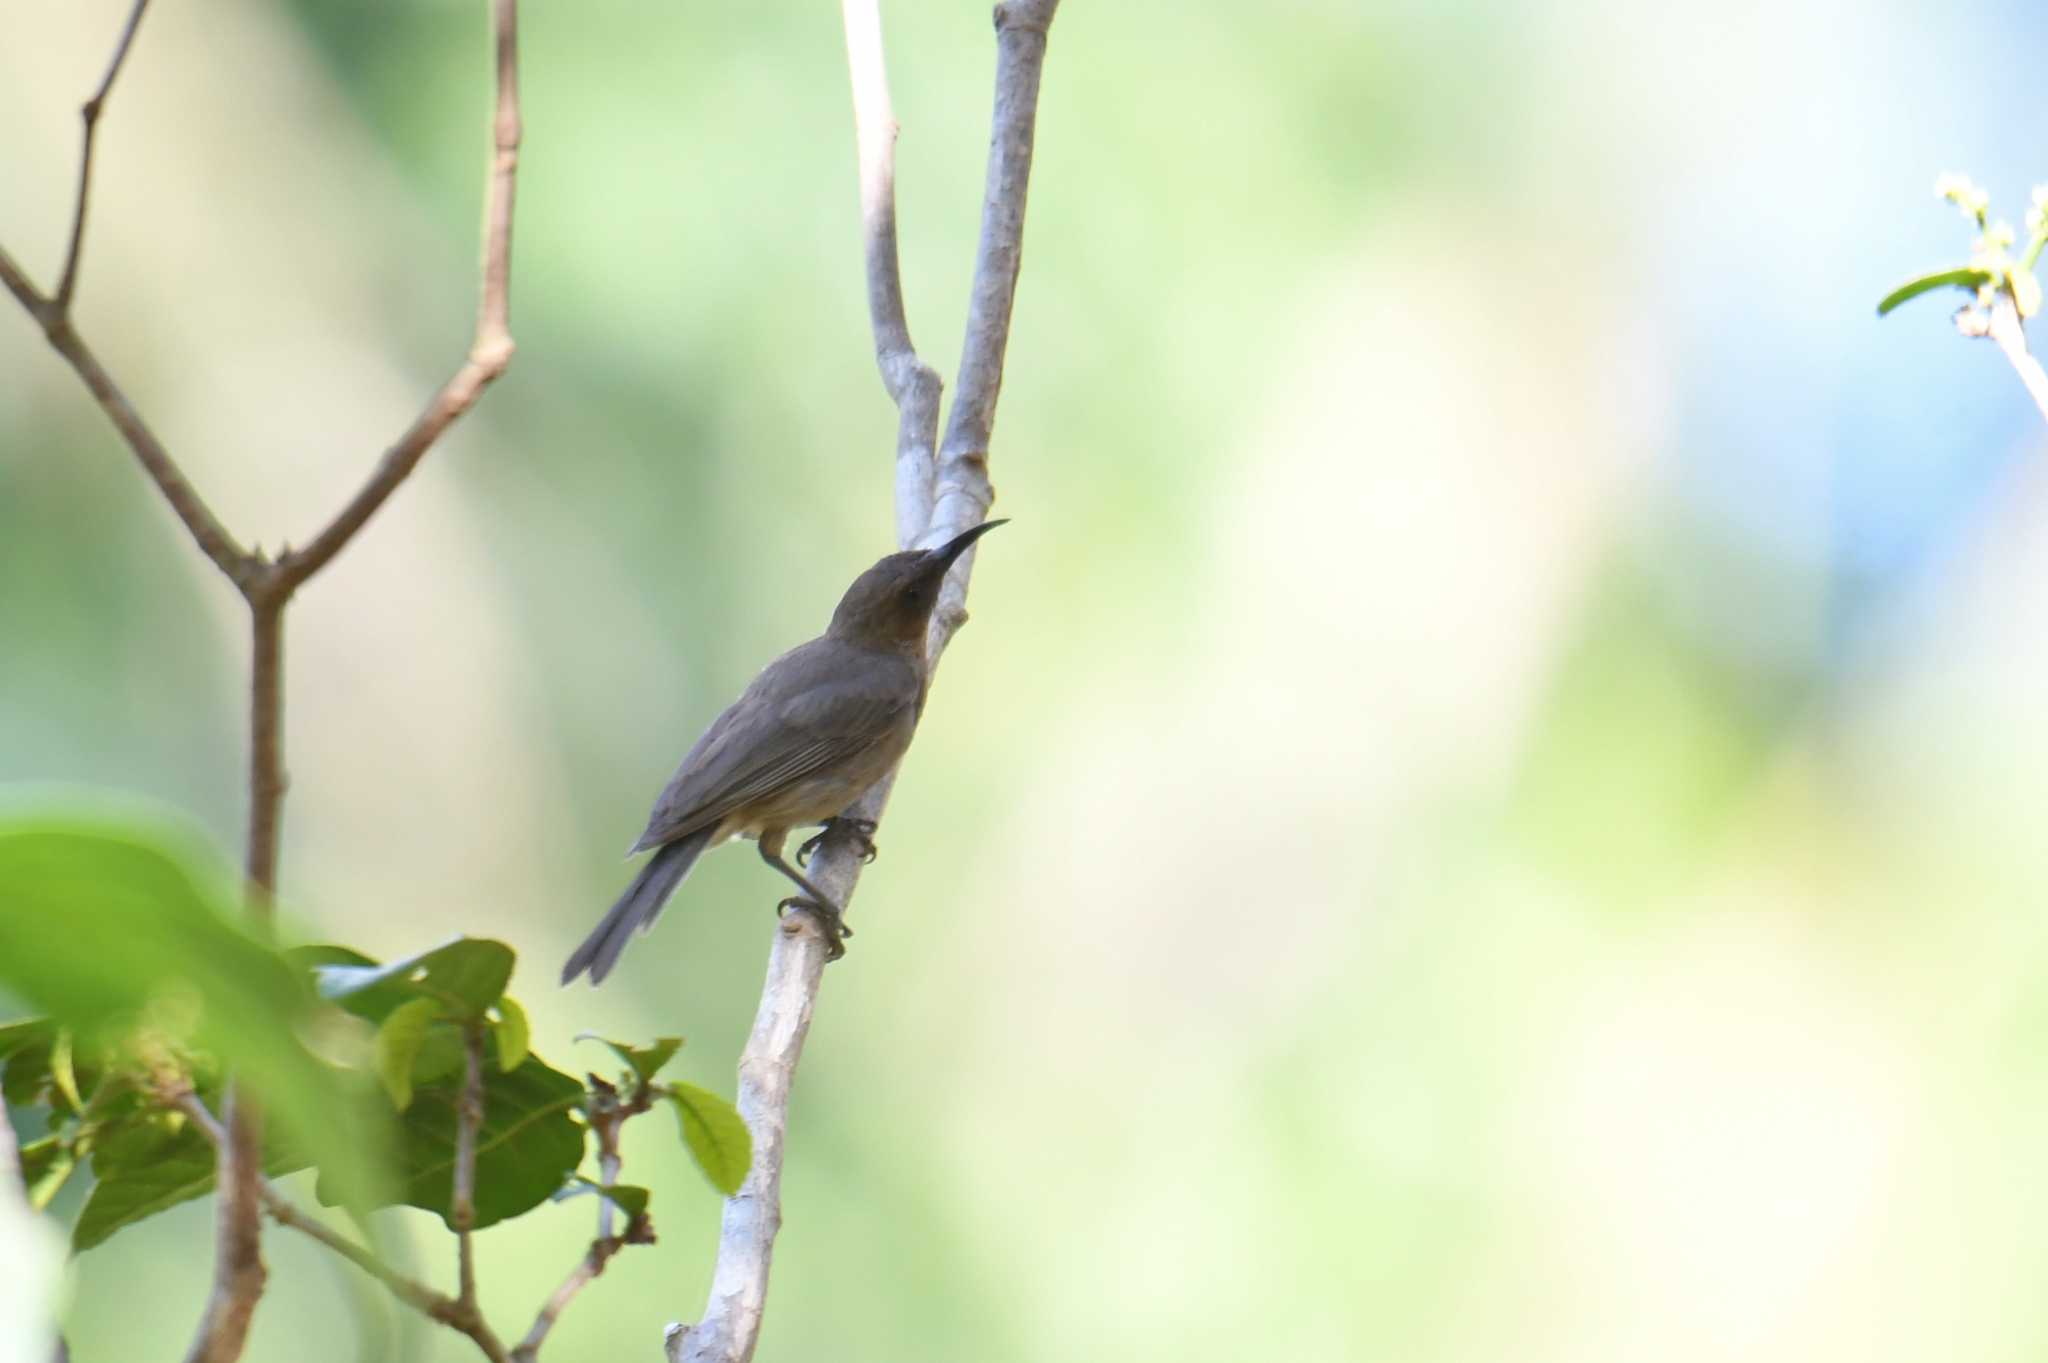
(935, 499)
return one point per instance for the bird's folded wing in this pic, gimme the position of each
(768, 742)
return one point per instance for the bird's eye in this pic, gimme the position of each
(910, 596)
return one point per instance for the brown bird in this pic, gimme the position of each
(819, 726)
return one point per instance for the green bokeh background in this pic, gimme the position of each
(1489, 805)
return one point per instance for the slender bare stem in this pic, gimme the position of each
(913, 385)
(490, 348)
(409, 1290)
(933, 501)
(587, 1270)
(238, 1272)
(469, 1116)
(2006, 328)
(67, 283)
(206, 530)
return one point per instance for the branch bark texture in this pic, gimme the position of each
(937, 497)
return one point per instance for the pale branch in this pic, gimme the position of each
(913, 385)
(490, 349)
(67, 282)
(469, 1116)
(2004, 326)
(934, 501)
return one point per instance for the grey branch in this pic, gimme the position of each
(933, 502)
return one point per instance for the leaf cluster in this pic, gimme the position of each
(151, 991)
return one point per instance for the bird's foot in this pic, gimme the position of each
(830, 921)
(861, 831)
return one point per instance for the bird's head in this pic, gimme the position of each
(890, 605)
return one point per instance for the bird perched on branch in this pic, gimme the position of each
(819, 726)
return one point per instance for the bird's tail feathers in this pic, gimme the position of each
(636, 909)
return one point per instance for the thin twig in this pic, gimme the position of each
(2010, 333)
(469, 1115)
(238, 1271)
(587, 1270)
(913, 385)
(67, 283)
(491, 347)
(931, 503)
(409, 1290)
(206, 530)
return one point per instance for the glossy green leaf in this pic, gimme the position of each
(468, 975)
(718, 1140)
(1962, 278)
(150, 916)
(644, 1061)
(527, 1146)
(511, 1033)
(398, 1046)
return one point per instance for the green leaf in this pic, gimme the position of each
(15, 1035)
(719, 1141)
(527, 1145)
(512, 1034)
(628, 1198)
(1961, 278)
(99, 921)
(468, 974)
(141, 1170)
(398, 1046)
(644, 1061)
(27, 1047)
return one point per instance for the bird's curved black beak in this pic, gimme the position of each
(943, 556)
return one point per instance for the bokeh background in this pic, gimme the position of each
(1489, 809)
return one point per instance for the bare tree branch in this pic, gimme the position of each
(491, 347)
(469, 1115)
(67, 283)
(912, 384)
(206, 530)
(411, 1291)
(933, 502)
(2004, 326)
(586, 1271)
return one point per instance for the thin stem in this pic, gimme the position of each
(912, 385)
(2010, 333)
(408, 1290)
(198, 519)
(469, 1116)
(491, 347)
(587, 1270)
(266, 744)
(238, 1271)
(67, 283)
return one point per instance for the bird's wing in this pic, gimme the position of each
(809, 711)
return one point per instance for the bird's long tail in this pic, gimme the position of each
(637, 908)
